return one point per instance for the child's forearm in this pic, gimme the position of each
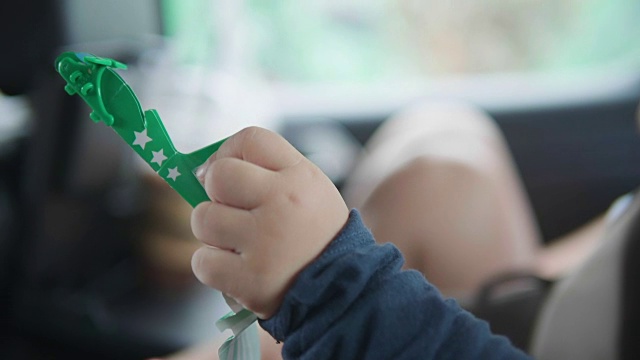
(354, 302)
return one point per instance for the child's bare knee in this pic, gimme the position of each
(445, 117)
(423, 183)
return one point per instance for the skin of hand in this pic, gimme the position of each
(272, 213)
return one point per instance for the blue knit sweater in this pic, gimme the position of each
(355, 302)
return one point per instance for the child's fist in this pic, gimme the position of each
(272, 213)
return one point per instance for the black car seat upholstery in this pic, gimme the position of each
(511, 302)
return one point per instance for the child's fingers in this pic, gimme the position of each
(261, 147)
(223, 226)
(238, 183)
(219, 269)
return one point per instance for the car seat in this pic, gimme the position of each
(594, 312)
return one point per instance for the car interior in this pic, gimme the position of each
(73, 202)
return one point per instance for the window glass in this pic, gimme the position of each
(375, 41)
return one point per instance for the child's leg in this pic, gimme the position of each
(438, 181)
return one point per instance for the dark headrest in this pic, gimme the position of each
(30, 33)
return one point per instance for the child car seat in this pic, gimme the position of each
(593, 313)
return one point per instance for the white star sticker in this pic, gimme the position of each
(173, 174)
(141, 138)
(158, 157)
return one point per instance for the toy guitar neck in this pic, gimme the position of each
(114, 103)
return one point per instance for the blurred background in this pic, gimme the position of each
(95, 249)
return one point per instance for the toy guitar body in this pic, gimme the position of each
(114, 103)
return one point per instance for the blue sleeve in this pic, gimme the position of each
(355, 302)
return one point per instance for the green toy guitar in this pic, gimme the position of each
(114, 103)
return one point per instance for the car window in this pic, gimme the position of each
(377, 41)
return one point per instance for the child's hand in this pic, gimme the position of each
(272, 213)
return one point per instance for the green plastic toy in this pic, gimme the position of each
(114, 103)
